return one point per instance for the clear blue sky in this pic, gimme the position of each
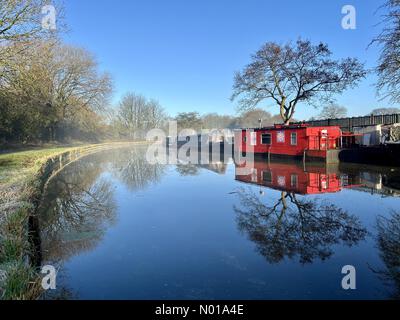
(185, 53)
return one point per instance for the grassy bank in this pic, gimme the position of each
(23, 176)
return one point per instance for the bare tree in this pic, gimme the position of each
(136, 115)
(332, 111)
(291, 74)
(389, 61)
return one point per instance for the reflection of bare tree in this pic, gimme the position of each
(296, 227)
(132, 168)
(389, 245)
(77, 209)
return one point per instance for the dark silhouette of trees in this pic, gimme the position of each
(295, 227)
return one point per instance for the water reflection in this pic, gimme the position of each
(79, 204)
(187, 169)
(388, 240)
(78, 209)
(132, 168)
(296, 177)
(287, 216)
(294, 227)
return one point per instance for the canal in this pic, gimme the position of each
(117, 227)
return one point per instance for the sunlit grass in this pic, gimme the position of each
(14, 167)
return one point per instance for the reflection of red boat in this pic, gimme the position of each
(292, 177)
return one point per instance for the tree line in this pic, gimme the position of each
(48, 90)
(51, 91)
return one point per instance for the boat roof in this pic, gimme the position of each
(285, 127)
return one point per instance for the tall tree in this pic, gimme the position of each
(389, 61)
(294, 73)
(332, 111)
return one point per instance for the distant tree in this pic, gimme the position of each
(332, 111)
(216, 121)
(136, 115)
(294, 73)
(389, 61)
(251, 118)
(189, 120)
(383, 111)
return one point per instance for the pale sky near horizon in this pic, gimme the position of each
(185, 53)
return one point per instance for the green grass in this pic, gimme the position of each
(14, 167)
(22, 282)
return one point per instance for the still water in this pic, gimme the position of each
(117, 227)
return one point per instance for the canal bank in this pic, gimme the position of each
(23, 176)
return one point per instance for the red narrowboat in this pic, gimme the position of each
(291, 140)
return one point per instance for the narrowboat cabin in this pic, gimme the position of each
(299, 141)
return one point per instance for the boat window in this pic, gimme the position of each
(266, 138)
(267, 176)
(294, 180)
(253, 138)
(293, 138)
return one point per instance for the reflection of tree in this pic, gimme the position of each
(187, 169)
(193, 169)
(389, 245)
(77, 209)
(296, 227)
(132, 168)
